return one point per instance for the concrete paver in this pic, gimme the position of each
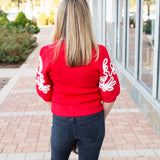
(18, 156)
(3, 156)
(127, 153)
(109, 153)
(25, 120)
(33, 156)
(157, 151)
(146, 152)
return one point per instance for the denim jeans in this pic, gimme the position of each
(86, 131)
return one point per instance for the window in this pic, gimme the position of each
(120, 30)
(148, 37)
(110, 26)
(159, 72)
(131, 37)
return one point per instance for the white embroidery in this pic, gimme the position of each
(108, 75)
(40, 78)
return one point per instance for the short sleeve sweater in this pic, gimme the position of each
(76, 91)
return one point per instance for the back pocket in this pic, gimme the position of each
(93, 129)
(59, 130)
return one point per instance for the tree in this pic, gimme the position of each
(18, 2)
(6, 4)
(150, 1)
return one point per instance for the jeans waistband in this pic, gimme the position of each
(79, 119)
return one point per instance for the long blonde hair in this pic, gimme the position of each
(73, 25)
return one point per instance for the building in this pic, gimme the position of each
(130, 29)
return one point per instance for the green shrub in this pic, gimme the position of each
(3, 20)
(15, 46)
(13, 26)
(30, 27)
(21, 19)
(3, 14)
(16, 39)
(147, 27)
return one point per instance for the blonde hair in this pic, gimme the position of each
(73, 25)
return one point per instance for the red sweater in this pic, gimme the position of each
(76, 91)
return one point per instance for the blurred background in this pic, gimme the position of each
(42, 11)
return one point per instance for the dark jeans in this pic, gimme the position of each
(87, 131)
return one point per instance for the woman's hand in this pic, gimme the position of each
(107, 108)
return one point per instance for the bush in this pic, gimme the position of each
(3, 20)
(14, 27)
(16, 39)
(3, 14)
(15, 46)
(147, 27)
(30, 27)
(42, 19)
(51, 20)
(21, 19)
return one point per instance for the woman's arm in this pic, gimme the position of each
(107, 108)
(43, 81)
(108, 81)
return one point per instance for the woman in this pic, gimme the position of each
(77, 77)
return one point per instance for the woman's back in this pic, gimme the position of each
(75, 91)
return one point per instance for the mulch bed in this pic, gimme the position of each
(5, 65)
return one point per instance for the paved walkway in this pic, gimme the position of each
(25, 120)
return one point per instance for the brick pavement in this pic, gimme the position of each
(25, 121)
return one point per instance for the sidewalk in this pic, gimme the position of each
(25, 120)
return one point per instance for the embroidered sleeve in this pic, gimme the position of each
(43, 82)
(108, 81)
(40, 81)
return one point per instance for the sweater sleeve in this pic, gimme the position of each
(43, 82)
(108, 81)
